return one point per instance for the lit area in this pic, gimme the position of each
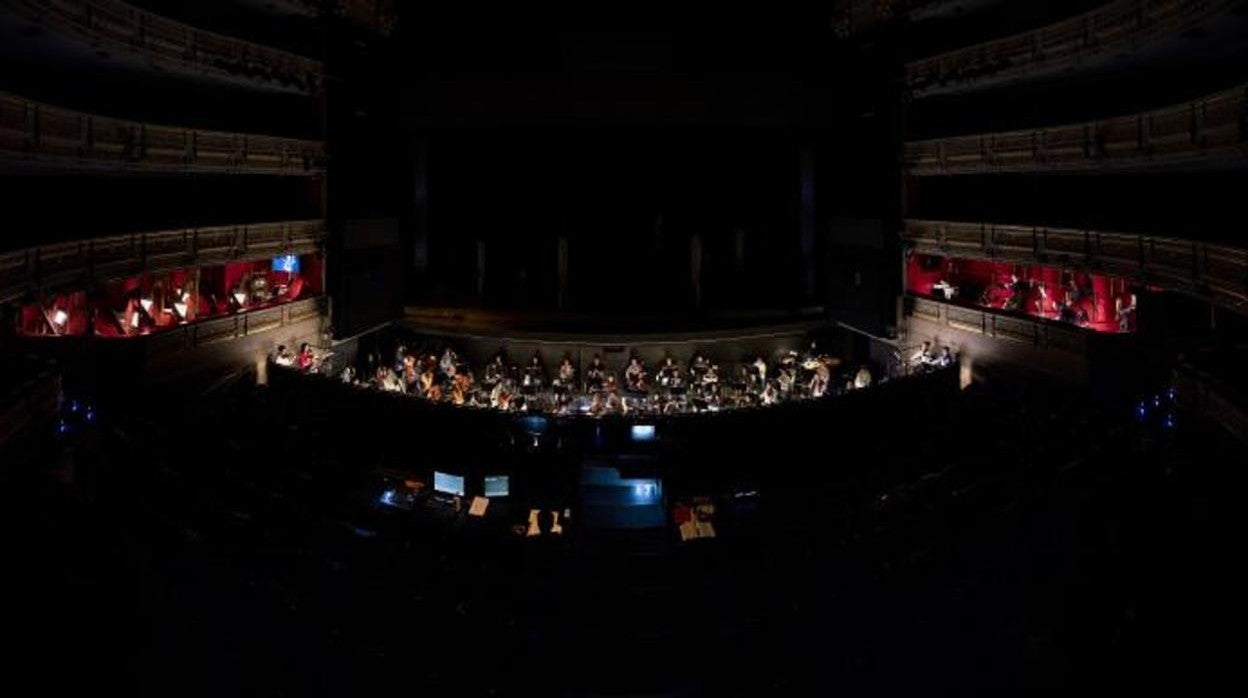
(1089, 300)
(153, 303)
(870, 347)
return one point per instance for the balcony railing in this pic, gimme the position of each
(123, 27)
(39, 132)
(1213, 127)
(1002, 325)
(83, 262)
(1218, 273)
(1106, 30)
(224, 329)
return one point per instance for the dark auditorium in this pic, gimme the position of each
(382, 347)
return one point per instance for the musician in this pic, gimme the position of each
(819, 383)
(635, 375)
(307, 359)
(862, 379)
(596, 375)
(922, 356)
(1018, 289)
(411, 373)
(1125, 313)
(945, 289)
(698, 365)
(566, 375)
(283, 357)
(669, 373)
(534, 373)
(945, 359)
(448, 364)
(434, 393)
(399, 355)
(785, 381)
(760, 370)
(495, 371)
(769, 396)
(426, 380)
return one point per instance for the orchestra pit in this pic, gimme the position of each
(874, 348)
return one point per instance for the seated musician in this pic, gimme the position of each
(448, 364)
(534, 373)
(595, 375)
(945, 289)
(635, 375)
(669, 373)
(769, 395)
(566, 375)
(283, 356)
(760, 371)
(922, 356)
(819, 383)
(494, 371)
(306, 357)
(411, 373)
(1125, 313)
(698, 365)
(785, 381)
(434, 393)
(426, 380)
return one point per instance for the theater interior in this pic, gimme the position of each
(878, 347)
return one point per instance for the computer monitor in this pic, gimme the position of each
(497, 485)
(643, 432)
(534, 424)
(288, 263)
(447, 483)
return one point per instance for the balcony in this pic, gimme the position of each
(85, 262)
(1003, 325)
(1217, 273)
(1115, 28)
(40, 133)
(1212, 128)
(116, 25)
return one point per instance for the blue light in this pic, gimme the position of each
(73, 405)
(90, 416)
(1156, 401)
(1173, 394)
(643, 432)
(387, 497)
(288, 263)
(62, 427)
(1170, 422)
(1141, 411)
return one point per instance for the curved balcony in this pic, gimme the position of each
(42, 133)
(1211, 128)
(119, 26)
(109, 258)
(1116, 27)
(1215, 272)
(1004, 325)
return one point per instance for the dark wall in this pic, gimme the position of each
(48, 208)
(1201, 205)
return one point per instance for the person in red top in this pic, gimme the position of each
(305, 357)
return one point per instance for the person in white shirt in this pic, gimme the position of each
(863, 378)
